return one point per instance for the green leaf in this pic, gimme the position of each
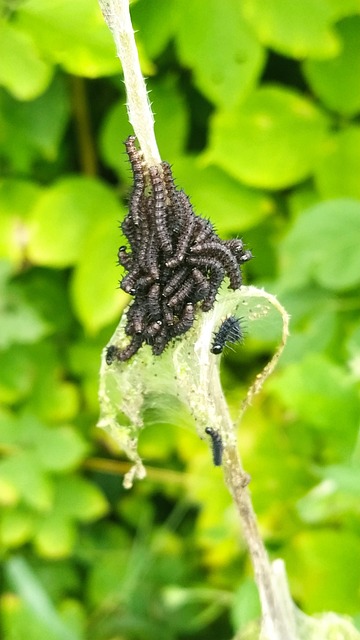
(155, 23)
(16, 374)
(246, 605)
(342, 8)
(338, 173)
(62, 217)
(94, 287)
(28, 479)
(19, 322)
(323, 395)
(336, 81)
(214, 194)
(35, 128)
(79, 499)
(273, 123)
(17, 526)
(22, 72)
(323, 570)
(324, 245)
(17, 198)
(337, 495)
(79, 40)
(171, 122)
(60, 449)
(55, 536)
(224, 54)
(295, 29)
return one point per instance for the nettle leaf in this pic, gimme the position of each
(62, 217)
(296, 29)
(272, 123)
(323, 245)
(34, 128)
(78, 40)
(224, 54)
(95, 292)
(22, 72)
(336, 81)
(231, 206)
(171, 123)
(338, 173)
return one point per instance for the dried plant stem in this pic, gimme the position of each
(117, 17)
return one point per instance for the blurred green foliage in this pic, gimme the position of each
(257, 108)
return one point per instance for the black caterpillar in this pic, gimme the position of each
(229, 331)
(175, 262)
(217, 445)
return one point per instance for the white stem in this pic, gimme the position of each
(117, 17)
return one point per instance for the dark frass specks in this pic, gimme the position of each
(175, 261)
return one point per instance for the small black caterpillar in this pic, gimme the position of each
(217, 445)
(229, 331)
(111, 354)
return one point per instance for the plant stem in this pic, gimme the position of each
(117, 17)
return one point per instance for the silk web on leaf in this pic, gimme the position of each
(187, 372)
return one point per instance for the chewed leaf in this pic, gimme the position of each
(187, 371)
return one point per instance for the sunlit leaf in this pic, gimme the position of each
(78, 40)
(273, 123)
(22, 71)
(62, 217)
(285, 26)
(224, 54)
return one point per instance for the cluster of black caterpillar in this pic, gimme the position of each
(175, 260)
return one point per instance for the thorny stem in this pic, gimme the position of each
(276, 625)
(117, 17)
